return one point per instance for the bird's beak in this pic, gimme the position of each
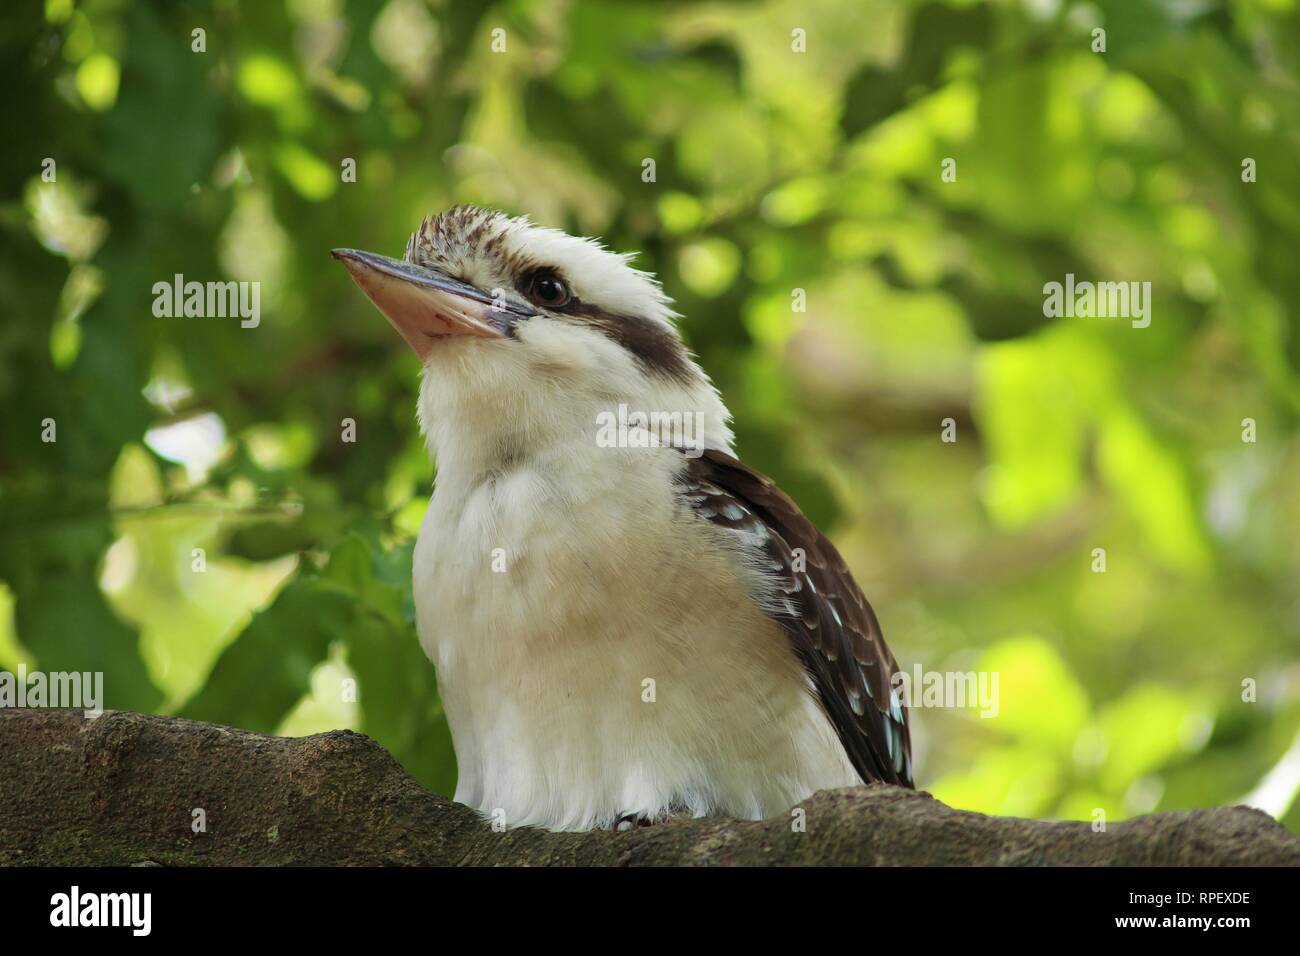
(424, 305)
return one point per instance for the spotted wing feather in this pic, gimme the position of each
(831, 627)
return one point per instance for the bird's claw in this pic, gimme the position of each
(630, 821)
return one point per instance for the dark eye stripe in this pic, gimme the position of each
(658, 349)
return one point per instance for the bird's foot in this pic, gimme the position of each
(630, 821)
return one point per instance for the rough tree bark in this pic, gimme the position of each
(121, 789)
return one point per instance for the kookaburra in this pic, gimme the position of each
(623, 631)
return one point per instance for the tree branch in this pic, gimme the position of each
(123, 788)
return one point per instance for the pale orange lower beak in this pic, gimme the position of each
(425, 306)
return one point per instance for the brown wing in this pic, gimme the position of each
(831, 627)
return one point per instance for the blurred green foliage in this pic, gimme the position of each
(775, 170)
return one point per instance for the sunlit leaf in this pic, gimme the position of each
(1040, 701)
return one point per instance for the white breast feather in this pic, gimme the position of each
(607, 584)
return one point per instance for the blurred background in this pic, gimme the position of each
(200, 532)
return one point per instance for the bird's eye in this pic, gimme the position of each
(549, 290)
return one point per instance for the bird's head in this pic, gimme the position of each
(528, 335)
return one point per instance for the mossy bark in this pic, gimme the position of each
(123, 789)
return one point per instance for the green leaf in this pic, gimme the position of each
(1144, 729)
(1040, 701)
(400, 705)
(1153, 484)
(260, 677)
(52, 537)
